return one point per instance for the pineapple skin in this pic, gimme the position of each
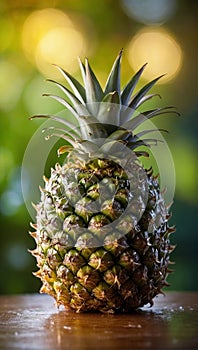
(86, 269)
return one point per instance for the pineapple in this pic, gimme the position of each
(102, 231)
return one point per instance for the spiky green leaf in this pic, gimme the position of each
(87, 146)
(82, 69)
(146, 98)
(142, 117)
(142, 154)
(78, 89)
(121, 135)
(109, 109)
(144, 132)
(63, 131)
(129, 88)
(136, 99)
(113, 81)
(68, 125)
(114, 148)
(91, 129)
(77, 108)
(142, 92)
(62, 136)
(93, 89)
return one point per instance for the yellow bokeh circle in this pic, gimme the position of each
(50, 36)
(61, 46)
(159, 49)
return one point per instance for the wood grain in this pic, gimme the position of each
(33, 322)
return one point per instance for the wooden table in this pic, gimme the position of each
(33, 322)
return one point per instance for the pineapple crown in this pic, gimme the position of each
(109, 114)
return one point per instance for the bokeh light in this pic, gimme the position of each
(37, 24)
(49, 36)
(61, 46)
(159, 49)
(150, 11)
(11, 199)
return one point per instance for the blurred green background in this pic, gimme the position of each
(36, 33)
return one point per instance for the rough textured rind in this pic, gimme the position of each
(83, 264)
